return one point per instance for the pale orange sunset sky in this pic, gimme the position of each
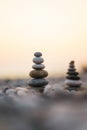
(57, 28)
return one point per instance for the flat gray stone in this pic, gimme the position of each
(38, 82)
(37, 54)
(38, 66)
(38, 60)
(73, 82)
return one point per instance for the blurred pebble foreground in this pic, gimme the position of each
(24, 108)
(33, 104)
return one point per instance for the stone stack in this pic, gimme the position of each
(73, 80)
(38, 74)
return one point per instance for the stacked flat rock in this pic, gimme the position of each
(73, 80)
(38, 74)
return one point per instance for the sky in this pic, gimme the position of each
(57, 28)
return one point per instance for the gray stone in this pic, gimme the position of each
(73, 82)
(38, 60)
(10, 91)
(38, 66)
(38, 82)
(37, 54)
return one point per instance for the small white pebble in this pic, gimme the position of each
(22, 89)
(21, 93)
(47, 89)
(53, 90)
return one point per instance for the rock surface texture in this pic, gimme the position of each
(73, 80)
(38, 74)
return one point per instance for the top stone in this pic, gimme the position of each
(38, 54)
(72, 64)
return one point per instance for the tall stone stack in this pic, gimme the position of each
(38, 74)
(73, 80)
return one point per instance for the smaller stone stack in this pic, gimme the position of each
(73, 80)
(38, 74)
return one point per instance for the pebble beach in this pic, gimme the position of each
(23, 108)
(43, 103)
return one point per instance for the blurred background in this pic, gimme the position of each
(56, 28)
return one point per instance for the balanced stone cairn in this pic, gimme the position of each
(38, 74)
(73, 80)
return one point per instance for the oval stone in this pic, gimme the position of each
(37, 54)
(73, 82)
(22, 89)
(38, 66)
(38, 82)
(38, 60)
(11, 91)
(21, 93)
(38, 73)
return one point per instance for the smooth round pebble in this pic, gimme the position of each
(38, 66)
(49, 91)
(21, 93)
(37, 54)
(38, 82)
(10, 91)
(53, 90)
(73, 82)
(38, 73)
(22, 89)
(38, 60)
